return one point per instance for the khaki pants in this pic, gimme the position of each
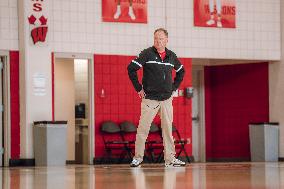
(149, 109)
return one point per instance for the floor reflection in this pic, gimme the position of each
(203, 176)
(270, 177)
(152, 178)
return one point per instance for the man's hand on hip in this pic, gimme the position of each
(141, 94)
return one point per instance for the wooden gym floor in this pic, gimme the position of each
(196, 175)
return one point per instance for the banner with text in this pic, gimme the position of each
(215, 13)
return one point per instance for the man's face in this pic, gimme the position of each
(160, 40)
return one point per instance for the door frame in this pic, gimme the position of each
(201, 113)
(6, 104)
(91, 91)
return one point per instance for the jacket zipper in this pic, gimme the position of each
(164, 70)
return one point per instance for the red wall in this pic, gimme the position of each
(235, 95)
(15, 104)
(121, 101)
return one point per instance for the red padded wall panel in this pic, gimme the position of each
(121, 101)
(235, 95)
(15, 104)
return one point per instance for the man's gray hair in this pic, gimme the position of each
(163, 30)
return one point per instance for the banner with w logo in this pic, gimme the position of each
(37, 19)
(38, 29)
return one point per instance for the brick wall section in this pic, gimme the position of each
(121, 101)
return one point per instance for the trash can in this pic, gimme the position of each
(264, 139)
(50, 143)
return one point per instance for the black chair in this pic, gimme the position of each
(154, 144)
(180, 143)
(114, 145)
(128, 133)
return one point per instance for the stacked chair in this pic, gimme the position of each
(115, 146)
(119, 143)
(128, 134)
(180, 144)
(154, 144)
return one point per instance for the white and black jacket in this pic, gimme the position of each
(157, 79)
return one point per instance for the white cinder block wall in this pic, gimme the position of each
(9, 25)
(257, 34)
(76, 26)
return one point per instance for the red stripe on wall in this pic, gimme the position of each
(121, 102)
(235, 95)
(52, 84)
(15, 104)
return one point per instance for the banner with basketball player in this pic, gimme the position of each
(215, 13)
(132, 11)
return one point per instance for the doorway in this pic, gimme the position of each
(73, 101)
(2, 62)
(198, 121)
(5, 127)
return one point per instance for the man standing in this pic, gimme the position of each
(156, 93)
